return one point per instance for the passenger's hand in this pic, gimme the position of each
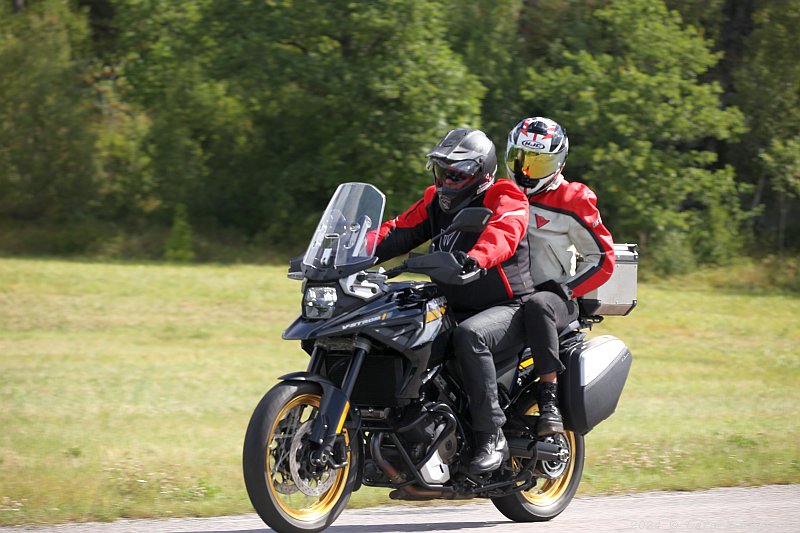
(467, 262)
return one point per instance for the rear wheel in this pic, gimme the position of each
(291, 494)
(554, 489)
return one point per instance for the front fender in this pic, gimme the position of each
(333, 408)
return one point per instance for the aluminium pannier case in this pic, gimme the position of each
(617, 296)
(590, 387)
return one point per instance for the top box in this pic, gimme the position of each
(617, 296)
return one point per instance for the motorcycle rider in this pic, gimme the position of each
(564, 224)
(464, 164)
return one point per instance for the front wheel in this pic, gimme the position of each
(556, 487)
(289, 493)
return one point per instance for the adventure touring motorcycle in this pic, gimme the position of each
(378, 407)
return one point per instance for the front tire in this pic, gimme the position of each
(286, 490)
(549, 497)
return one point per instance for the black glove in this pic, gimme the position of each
(468, 263)
(556, 288)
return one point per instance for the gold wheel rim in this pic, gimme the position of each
(552, 489)
(307, 509)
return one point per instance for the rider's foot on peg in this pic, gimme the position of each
(491, 450)
(550, 421)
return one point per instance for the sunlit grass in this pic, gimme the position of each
(713, 395)
(125, 390)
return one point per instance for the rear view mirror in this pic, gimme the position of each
(473, 219)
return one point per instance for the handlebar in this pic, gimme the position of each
(441, 267)
(396, 271)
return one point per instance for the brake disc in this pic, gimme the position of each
(555, 469)
(281, 474)
(308, 479)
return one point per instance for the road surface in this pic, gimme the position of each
(773, 509)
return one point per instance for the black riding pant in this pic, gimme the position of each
(546, 314)
(499, 330)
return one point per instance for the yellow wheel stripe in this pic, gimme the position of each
(327, 501)
(340, 426)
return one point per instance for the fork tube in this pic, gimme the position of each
(334, 407)
(316, 360)
(362, 347)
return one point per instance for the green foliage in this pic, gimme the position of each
(768, 79)
(670, 254)
(708, 16)
(46, 142)
(782, 161)
(250, 113)
(484, 34)
(767, 89)
(274, 104)
(126, 186)
(638, 119)
(179, 247)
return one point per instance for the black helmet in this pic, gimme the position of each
(464, 164)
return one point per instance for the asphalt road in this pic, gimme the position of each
(773, 509)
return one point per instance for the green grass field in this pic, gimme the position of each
(125, 390)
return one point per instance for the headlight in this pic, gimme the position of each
(319, 302)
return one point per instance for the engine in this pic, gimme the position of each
(426, 435)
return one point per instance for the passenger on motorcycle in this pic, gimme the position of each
(564, 224)
(488, 311)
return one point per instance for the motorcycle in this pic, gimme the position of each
(381, 404)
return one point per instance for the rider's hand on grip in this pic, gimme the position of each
(468, 263)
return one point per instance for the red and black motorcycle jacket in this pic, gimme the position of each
(501, 248)
(567, 240)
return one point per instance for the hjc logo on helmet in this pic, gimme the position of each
(533, 144)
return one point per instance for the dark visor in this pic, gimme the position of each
(456, 172)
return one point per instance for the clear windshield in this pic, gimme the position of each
(343, 234)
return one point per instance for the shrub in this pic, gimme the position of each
(179, 246)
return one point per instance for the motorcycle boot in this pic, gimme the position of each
(492, 450)
(550, 421)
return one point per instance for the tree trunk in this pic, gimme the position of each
(759, 192)
(783, 215)
(18, 5)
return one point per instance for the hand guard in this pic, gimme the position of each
(468, 263)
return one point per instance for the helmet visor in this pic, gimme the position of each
(533, 165)
(455, 175)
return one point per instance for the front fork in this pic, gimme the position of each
(335, 401)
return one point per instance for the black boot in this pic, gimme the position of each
(492, 449)
(550, 421)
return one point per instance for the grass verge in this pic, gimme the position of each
(125, 390)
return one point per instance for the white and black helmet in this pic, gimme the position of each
(464, 164)
(536, 151)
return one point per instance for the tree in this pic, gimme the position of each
(782, 161)
(767, 88)
(638, 117)
(46, 139)
(126, 188)
(337, 91)
(484, 34)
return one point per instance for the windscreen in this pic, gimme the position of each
(343, 234)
